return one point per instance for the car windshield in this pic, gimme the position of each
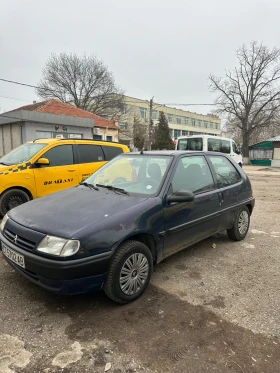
(190, 144)
(134, 173)
(21, 154)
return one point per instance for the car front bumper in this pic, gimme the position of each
(62, 277)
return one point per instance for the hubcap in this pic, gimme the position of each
(243, 222)
(13, 202)
(134, 274)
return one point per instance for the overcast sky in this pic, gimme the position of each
(160, 48)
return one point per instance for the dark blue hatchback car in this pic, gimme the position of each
(109, 231)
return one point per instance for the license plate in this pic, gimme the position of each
(13, 255)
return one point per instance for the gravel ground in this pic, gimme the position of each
(211, 308)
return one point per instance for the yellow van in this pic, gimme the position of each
(45, 166)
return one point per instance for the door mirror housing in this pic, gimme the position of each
(43, 162)
(181, 195)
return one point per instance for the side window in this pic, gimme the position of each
(60, 155)
(225, 146)
(213, 145)
(111, 151)
(192, 173)
(225, 171)
(90, 153)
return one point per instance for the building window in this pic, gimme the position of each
(154, 114)
(217, 126)
(97, 137)
(171, 133)
(177, 133)
(186, 120)
(43, 135)
(170, 118)
(109, 138)
(123, 125)
(211, 125)
(184, 133)
(178, 119)
(199, 123)
(143, 112)
(205, 124)
(193, 122)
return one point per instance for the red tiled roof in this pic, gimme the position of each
(60, 108)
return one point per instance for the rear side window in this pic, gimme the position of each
(90, 153)
(214, 145)
(225, 171)
(60, 155)
(111, 151)
(225, 146)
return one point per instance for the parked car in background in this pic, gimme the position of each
(46, 166)
(210, 143)
(110, 235)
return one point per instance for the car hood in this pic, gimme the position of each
(67, 212)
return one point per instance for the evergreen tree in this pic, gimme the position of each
(162, 137)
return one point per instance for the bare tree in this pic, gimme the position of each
(250, 94)
(84, 82)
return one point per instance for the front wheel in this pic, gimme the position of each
(241, 225)
(12, 198)
(129, 272)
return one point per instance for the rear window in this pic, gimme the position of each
(90, 153)
(111, 151)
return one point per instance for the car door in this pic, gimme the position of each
(61, 173)
(90, 158)
(230, 186)
(189, 222)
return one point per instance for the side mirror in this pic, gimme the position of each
(181, 195)
(43, 162)
(238, 152)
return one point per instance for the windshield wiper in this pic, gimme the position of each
(4, 164)
(90, 186)
(115, 189)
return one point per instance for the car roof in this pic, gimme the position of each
(174, 152)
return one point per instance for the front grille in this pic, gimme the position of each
(19, 241)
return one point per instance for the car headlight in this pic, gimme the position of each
(3, 223)
(58, 246)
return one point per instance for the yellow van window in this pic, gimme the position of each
(60, 155)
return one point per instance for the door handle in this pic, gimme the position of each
(71, 170)
(221, 198)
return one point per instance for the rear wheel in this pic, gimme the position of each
(12, 198)
(129, 272)
(241, 225)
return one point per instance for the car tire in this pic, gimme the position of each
(129, 272)
(12, 198)
(241, 225)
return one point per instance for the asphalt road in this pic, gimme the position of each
(211, 308)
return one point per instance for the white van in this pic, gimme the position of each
(210, 143)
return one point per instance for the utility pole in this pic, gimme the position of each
(150, 124)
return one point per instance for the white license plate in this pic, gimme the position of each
(13, 255)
